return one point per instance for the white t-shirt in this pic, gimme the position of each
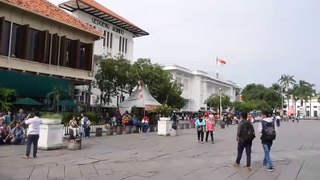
(34, 125)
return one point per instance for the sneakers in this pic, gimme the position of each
(247, 168)
(236, 165)
(270, 169)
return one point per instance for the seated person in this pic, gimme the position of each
(5, 133)
(73, 128)
(17, 134)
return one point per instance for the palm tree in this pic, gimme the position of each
(306, 92)
(57, 94)
(286, 81)
(5, 94)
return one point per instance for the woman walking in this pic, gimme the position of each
(210, 128)
(200, 125)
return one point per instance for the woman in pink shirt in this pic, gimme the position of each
(210, 127)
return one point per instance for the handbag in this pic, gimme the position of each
(199, 128)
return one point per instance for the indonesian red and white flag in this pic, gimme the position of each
(220, 62)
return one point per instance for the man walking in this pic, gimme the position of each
(268, 129)
(33, 134)
(245, 135)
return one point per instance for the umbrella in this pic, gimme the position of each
(67, 103)
(27, 101)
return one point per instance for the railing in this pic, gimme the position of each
(93, 129)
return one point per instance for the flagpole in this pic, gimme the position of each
(217, 68)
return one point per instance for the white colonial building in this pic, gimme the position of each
(118, 35)
(307, 109)
(198, 86)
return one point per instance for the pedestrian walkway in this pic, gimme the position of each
(296, 155)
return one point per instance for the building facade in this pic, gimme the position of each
(199, 86)
(118, 33)
(42, 47)
(310, 108)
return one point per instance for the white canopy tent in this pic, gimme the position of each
(140, 98)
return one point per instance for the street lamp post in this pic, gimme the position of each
(220, 105)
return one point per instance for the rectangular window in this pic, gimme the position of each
(104, 38)
(315, 106)
(126, 46)
(67, 53)
(111, 37)
(75, 54)
(4, 36)
(82, 55)
(315, 113)
(33, 45)
(88, 56)
(120, 41)
(123, 41)
(108, 39)
(48, 40)
(14, 40)
(55, 49)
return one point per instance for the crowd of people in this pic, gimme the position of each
(245, 134)
(19, 129)
(82, 130)
(12, 128)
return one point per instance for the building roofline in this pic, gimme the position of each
(99, 11)
(199, 73)
(93, 31)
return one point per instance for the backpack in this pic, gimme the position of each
(247, 132)
(268, 131)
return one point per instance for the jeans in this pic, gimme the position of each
(32, 139)
(241, 146)
(207, 134)
(200, 135)
(267, 160)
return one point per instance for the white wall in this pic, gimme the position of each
(198, 86)
(99, 48)
(315, 107)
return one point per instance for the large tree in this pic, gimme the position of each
(286, 81)
(117, 76)
(105, 80)
(214, 101)
(264, 98)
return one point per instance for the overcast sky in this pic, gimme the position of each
(260, 39)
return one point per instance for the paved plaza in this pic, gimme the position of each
(296, 155)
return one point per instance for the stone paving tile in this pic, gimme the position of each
(39, 172)
(148, 156)
(72, 172)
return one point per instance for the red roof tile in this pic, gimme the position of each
(100, 7)
(90, 7)
(45, 8)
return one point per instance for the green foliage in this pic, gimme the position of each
(260, 97)
(93, 118)
(117, 76)
(51, 115)
(214, 101)
(57, 95)
(5, 96)
(164, 110)
(244, 106)
(106, 80)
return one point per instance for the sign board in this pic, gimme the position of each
(93, 99)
